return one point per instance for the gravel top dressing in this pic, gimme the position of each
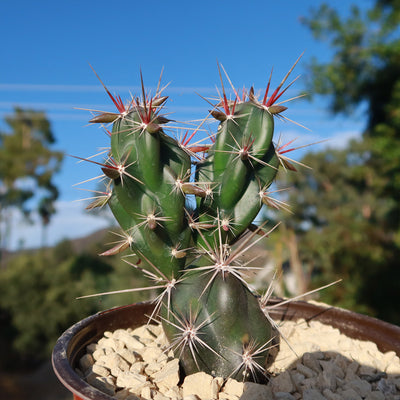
(319, 363)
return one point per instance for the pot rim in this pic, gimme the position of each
(71, 344)
(64, 356)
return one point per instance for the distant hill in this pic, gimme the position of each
(98, 237)
(79, 245)
(102, 240)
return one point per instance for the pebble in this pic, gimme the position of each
(135, 364)
(202, 385)
(375, 396)
(311, 361)
(327, 381)
(106, 385)
(307, 372)
(283, 383)
(283, 396)
(130, 341)
(255, 391)
(168, 376)
(297, 379)
(359, 386)
(130, 380)
(313, 394)
(330, 395)
(233, 388)
(350, 394)
(100, 370)
(351, 369)
(86, 362)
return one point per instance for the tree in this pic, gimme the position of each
(347, 209)
(365, 71)
(27, 166)
(38, 297)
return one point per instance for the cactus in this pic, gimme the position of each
(182, 207)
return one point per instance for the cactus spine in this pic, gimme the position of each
(212, 319)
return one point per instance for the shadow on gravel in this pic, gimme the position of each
(330, 375)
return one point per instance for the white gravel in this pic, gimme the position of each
(320, 363)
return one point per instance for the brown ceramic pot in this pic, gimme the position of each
(72, 344)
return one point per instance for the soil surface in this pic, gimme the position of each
(314, 362)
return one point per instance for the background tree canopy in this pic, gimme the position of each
(347, 208)
(39, 290)
(27, 166)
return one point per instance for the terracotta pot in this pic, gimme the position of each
(72, 344)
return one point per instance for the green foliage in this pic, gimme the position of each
(38, 292)
(346, 211)
(344, 230)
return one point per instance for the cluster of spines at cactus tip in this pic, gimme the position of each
(209, 313)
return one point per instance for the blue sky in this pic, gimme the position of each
(47, 47)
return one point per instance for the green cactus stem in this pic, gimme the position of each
(211, 317)
(240, 164)
(214, 325)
